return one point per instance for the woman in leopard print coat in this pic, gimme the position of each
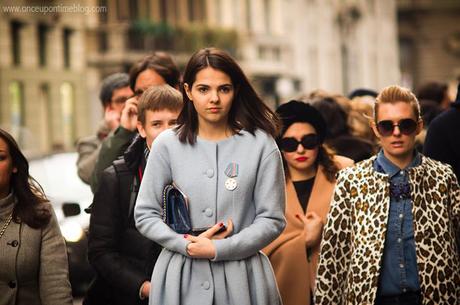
(354, 237)
(393, 227)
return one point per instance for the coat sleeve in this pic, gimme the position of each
(436, 144)
(112, 147)
(335, 253)
(454, 193)
(269, 222)
(106, 226)
(54, 274)
(148, 211)
(88, 150)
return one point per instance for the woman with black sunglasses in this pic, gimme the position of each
(310, 170)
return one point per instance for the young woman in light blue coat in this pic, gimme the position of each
(223, 157)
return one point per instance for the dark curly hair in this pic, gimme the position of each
(29, 208)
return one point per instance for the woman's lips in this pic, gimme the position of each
(214, 109)
(301, 159)
(397, 143)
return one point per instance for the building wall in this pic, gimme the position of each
(46, 120)
(287, 47)
(425, 34)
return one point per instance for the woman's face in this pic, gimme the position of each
(301, 159)
(6, 168)
(212, 96)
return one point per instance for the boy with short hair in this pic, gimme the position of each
(122, 257)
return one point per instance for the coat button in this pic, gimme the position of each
(205, 285)
(210, 173)
(208, 212)
(12, 284)
(13, 243)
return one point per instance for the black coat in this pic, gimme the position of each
(122, 257)
(442, 141)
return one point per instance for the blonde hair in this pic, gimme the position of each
(394, 94)
(358, 119)
(158, 98)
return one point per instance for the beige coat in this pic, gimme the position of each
(294, 274)
(33, 263)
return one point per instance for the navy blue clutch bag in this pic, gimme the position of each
(175, 210)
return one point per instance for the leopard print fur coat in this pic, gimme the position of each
(353, 240)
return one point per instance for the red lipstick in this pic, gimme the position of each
(301, 159)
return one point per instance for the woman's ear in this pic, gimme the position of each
(188, 91)
(420, 125)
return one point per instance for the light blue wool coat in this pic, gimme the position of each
(239, 273)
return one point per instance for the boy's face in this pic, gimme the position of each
(155, 123)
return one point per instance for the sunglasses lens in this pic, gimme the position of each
(310, 141)
(407, 126)
(385, 128)
(288, 144)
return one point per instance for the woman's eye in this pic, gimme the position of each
(202, 89)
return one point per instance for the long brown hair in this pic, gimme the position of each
(27, 190)
(248, 111)
(325, 158)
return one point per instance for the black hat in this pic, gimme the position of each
(362, 92)
(300, 112)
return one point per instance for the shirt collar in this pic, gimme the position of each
(383, 165)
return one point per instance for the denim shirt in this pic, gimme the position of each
(398, 273)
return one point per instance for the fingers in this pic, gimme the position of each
(132, 100)
(226, 232)
(191, 238)
(212, 231)
(301, 217)
(312, 215)
(230, 225)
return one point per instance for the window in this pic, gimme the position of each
(248, 15)
(163, 10)
(42, 44)
(46, 116)
(103, 16)
(267, 15)
(67, 35)
(16, 98)
(122, 10)
(67, 110)
(16, 42)
(133, 9)
(195, 9)
(103, 41)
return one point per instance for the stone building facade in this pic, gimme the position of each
(52, 64)
(429, 41)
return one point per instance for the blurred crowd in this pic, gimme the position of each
(342, 194)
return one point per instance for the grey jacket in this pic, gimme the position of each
(112, 147)
(240, 273)
(88, 149)
(33, 263)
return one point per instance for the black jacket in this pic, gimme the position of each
(442, 141)
(122, 257)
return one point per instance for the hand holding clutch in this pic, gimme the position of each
(175, 210)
